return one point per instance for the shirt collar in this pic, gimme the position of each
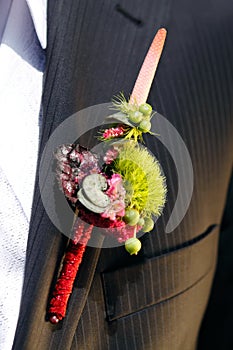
(38, 10)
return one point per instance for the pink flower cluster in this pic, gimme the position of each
(110, 155)
(116, 193)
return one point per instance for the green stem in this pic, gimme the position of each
(135, 231)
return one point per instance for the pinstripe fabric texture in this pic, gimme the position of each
(148, 306)
(95, 49)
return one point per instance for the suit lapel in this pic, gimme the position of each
(45, 243)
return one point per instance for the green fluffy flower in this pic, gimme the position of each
(145, 185)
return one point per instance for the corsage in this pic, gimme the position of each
(122, 191)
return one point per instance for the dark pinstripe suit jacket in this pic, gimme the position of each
(155, 300)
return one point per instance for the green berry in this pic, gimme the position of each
(145, 125)
(135, 117)
(148, 225)
(131, 217)
(133, 245)
(145, 109)
(141, 222)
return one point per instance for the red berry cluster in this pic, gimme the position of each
(114, 132)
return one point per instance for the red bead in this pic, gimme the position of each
(53, 319)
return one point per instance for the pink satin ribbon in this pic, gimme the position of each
(147, 72)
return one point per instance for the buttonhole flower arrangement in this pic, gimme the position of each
(122, 191)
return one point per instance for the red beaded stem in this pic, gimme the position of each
(71, 262)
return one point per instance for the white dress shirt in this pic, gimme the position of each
(22, 61)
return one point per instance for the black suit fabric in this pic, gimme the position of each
(155, 300)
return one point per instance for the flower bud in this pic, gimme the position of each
(133, 245)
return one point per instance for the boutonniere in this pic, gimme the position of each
(122, 190)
